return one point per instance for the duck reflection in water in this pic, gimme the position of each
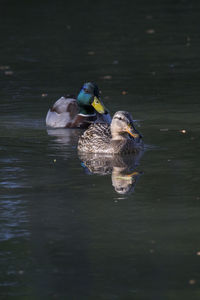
(63, 141)
(121, 167)
(63, 136)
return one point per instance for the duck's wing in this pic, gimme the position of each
(62, 112)
(62, 105)
(96, 138)
(55, 120)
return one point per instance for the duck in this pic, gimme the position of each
(78, 112)
(119, 137)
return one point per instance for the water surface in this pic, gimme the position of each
(66, 232)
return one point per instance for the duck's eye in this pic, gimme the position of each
(86, 90)
(118, 118)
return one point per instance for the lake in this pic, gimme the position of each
(72, 227)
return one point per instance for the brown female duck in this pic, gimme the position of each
(120, 137)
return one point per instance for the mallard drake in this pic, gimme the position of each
(80, 112)
(120, 137)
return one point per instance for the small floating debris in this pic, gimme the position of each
(124, 92)
(91, 53)
(44, 95)
(198, 253)
(54, 160)
(188, 41)
(21, 272)
(149, 17)
(106, 97)
(192, 281)
(107, 77)
(153, 242)
(183, 131)
(115, 62)
(150, 31)
(3, 68)
(8, 73)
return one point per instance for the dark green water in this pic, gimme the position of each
(65, 232)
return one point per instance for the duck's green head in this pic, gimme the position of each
(88, 99)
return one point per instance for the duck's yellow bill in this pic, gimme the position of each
(98, 106)
(129, 129)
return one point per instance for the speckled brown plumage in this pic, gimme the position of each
(119, 138)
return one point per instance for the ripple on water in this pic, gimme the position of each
(22, 122)
(11, 177)
(13, 217)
